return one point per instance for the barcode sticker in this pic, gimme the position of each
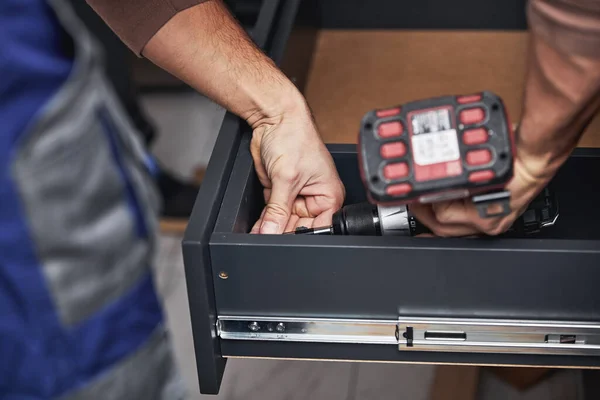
(431, 121)
(433, 140)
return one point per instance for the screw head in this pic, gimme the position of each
(280, 327)
(253, 326)
(223, 275)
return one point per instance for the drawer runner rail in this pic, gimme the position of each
(424, 334)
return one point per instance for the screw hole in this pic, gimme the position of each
(375, 179)
(368, 126)
(495, 107)
(503, 156)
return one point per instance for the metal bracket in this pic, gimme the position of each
(491, 205)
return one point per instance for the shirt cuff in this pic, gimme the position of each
(135, 22)
(570, 26)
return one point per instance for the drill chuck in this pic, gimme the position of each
(366, 219)
(357, 219)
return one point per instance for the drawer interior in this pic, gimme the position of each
(574, 186)
(352, 71)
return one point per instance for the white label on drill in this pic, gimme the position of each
(433, 140)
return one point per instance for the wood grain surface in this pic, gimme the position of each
(357, 71)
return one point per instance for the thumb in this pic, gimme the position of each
(278, 209)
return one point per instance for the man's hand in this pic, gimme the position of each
(461, 218)
(302, 186)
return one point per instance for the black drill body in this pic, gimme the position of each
(366, 219)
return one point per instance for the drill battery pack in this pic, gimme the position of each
(437, 149)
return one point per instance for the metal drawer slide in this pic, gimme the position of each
(424, 334)
(499, 336)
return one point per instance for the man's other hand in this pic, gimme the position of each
(461, 218)
(302, 186)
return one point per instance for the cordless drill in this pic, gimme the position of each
(366, 219)
(433, 150)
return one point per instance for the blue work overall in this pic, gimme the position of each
(79, 314)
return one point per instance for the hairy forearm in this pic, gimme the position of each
(562, 95)
(562, 91)
(205, 47)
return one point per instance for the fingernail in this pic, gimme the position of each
(269, 228)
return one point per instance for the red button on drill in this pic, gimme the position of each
(395, 171)
(393, 150)
(469, 99)
(479, 157)
(398, 190)
(475, 136)
(387, 113)
(390, 129)
(481, 176)
(472, 116)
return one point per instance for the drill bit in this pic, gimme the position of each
(302, 230)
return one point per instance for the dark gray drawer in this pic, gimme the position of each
(551, 276)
